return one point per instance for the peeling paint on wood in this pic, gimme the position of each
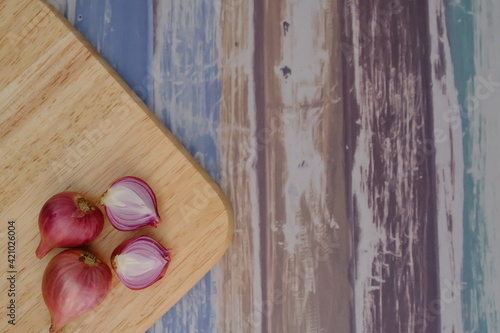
(304, 230)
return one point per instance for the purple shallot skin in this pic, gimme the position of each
(68, 219)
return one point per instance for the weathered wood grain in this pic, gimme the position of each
(305, 235)
(239, 272)
(387, 93)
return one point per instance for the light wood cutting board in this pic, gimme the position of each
(68, 122)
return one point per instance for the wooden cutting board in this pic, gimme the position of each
(68, 122)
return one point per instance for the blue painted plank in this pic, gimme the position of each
(121, 31)
(187, 88)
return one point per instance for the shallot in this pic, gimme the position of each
(74, 283)
(68, 219)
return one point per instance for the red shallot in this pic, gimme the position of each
(130, 204)
(140, 261)
(74, 283)
(68, 219)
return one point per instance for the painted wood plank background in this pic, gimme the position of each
(356, 140)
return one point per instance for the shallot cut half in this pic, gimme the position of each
(130, 204)
(140, 261)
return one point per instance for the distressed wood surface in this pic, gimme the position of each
(69, 123)
(300, 165)
(240, 272)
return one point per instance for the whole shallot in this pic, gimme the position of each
(74, 283)
(68, 219)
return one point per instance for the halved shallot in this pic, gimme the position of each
(130, 204)
(140, 261)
